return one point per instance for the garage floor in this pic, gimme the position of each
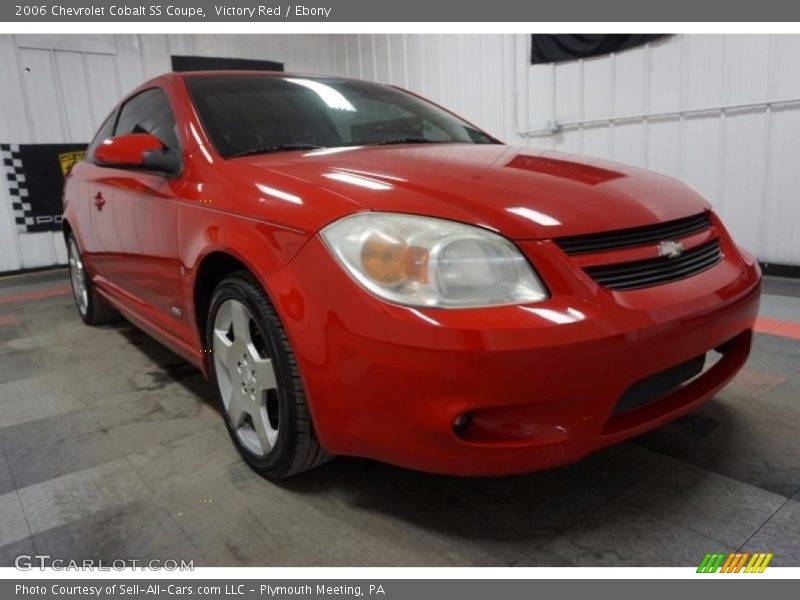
(112, 449)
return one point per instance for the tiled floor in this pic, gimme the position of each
(111, 448)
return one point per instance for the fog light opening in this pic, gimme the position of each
(460, 424)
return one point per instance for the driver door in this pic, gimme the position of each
(134, 217)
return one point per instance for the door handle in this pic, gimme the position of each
(99, 201)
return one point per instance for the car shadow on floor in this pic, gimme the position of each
(168, 367)
(620, 505)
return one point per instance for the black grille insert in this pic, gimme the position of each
(657, 386)
(656, 271)
(636, 236)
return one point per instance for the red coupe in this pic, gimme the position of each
(358, 271)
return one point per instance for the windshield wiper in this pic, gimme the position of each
(406, 140)
(270, 149)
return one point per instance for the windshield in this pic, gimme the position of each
(253, 114)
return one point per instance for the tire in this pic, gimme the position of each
(255, 375)
(92, 309)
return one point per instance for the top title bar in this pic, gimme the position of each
(464, 11)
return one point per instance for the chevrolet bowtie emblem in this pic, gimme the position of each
(670, 249)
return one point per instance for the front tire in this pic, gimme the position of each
(255, 374)
(91, 307)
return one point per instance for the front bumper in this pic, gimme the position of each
(540, 382)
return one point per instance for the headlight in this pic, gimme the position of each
(421, 261)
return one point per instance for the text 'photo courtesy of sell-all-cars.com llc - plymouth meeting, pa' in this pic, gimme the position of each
(361, 272)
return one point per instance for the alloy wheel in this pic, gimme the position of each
(246, 377)
(78, 277)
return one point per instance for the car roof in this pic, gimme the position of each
(247, 73)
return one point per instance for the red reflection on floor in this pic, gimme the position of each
(790, 329)
(8, 320)
(757, 383)
(35, 295)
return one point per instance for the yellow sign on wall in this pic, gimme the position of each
(68, 159)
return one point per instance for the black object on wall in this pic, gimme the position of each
(780, 270)
(215, 63)
(546, 48)
(34, 174)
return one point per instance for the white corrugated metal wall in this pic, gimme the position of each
(720, 112)
(58, 88)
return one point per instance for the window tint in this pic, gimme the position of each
(149, 112)
(106, 131)
(252, 113)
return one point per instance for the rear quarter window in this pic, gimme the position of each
(149, 112)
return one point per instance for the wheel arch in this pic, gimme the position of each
(210, 271)
(66, 229)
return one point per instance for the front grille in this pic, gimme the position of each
(656, 271)
(636, 236)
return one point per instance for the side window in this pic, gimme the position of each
(106, 131)
(149, 112)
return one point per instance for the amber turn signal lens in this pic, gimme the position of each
(417, 264)
(390, 261)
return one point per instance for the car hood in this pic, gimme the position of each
(520, 192)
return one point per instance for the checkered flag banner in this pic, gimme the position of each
(34, 175)
(12, 163)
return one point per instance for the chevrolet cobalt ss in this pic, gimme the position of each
(358, 271)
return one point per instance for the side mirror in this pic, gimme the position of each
(137, 151)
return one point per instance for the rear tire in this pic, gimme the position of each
(91, 307)
(254, 372)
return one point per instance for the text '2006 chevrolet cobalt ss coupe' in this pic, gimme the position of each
(360, 272)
